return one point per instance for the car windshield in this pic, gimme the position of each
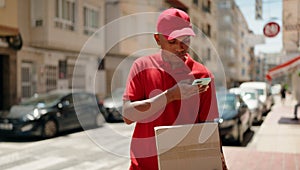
(249, 96)
(43, 100)
(226, 102)
(260, 91)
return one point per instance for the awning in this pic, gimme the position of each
(287, 67)
(6, 31)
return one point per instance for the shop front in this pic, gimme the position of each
(289, 69)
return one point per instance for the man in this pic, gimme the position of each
(159, 89)
(283, 94)
(297, 104)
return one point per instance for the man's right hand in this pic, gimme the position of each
(184, 90)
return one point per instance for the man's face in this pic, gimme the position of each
(176, 47)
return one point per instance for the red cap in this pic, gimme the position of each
(174, 23)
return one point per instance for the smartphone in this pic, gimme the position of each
(202, 81)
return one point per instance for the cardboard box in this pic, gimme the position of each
(189, 147)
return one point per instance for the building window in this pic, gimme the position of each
(62, 69)
(101, 64)
(224, 5)
(65, 14)
(206, 6)
(208, 30)
(208, 54)
(195, 2)
(243, 59)
(51, 77)
(27, 79)
(70, 69)
(91, 20)
(37, 13)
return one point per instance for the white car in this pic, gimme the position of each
(263, 90)
(251, 98)
(275, 89)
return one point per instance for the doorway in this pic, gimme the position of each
(4, 82)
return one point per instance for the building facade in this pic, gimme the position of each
(91, 44)
(54, 35)
(129, 35)
(10, 43)
(291, 28)
(291, 43)
(204, 46)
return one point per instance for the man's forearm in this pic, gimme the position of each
(140, 110)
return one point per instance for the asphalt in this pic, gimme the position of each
(274, 146)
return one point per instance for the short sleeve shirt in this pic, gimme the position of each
(150, 76)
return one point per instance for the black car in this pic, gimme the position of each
(235, 118)
(48, 114)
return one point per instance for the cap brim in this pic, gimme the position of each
(182, 32)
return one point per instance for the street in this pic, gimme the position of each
(103, 148)
(69, 151)
(77, 150)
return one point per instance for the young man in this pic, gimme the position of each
(159, 89)
(297, 104)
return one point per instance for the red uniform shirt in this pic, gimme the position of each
(151, 75)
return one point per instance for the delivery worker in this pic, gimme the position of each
(159, 89)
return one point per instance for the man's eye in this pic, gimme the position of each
(172, 41)
(186, 41)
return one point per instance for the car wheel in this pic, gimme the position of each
(50, 129)
(99, 120)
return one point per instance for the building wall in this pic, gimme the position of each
(227, 42)
(291, 24)
(131, 25)
(291, 41)
(203, 14)
(9, 25)
(47, 45)
(8, 56)
(243, 49)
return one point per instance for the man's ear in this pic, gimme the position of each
(157, 39)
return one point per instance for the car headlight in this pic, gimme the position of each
(35, 114)
(27, 127)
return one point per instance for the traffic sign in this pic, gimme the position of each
(271, 29)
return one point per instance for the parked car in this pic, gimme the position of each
(251, 98)
(275, 89)
(235, 118)
(113, 105)
(264, 93)
(48, 114)
(235, 90)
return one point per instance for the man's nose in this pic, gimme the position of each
(180, 46)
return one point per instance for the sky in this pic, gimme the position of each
(271, 11)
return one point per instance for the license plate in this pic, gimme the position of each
(6, 126)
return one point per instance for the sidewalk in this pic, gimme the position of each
(276, 145)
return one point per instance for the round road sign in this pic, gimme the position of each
(271, 29)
